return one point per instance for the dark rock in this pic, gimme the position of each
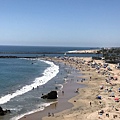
(3, 112)
(50, 95)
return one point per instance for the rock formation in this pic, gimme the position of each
(50, 95)
(3, 112)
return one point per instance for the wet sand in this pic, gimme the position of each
(61, 103)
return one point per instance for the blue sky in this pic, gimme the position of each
(83, 23)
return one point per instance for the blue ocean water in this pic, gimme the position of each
(35, 49)
(22, 81)
(41, 48)
(15, 72)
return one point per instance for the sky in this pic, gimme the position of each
(78, 23)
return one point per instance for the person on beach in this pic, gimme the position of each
(52, 114)
(90, 103)
(63, 92)
(55, 105)
(49, 114)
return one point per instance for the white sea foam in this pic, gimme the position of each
(28, 113)
(40, 108)
(61, 86)
(73, 51)
(48, 74)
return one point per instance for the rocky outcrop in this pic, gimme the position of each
(50, 95)
(3, 112)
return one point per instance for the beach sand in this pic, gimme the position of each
(85, 104)
(61, 103)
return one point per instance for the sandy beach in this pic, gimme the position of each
(99, 100)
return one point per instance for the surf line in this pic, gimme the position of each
(48, 74)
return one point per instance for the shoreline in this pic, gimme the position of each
(55, 107)
(69, 92)
(85, 104)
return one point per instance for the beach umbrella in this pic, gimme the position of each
(101, 86)
(119, 89)
(112, 94)
(115, 78)
(116, 99)
(98, 97)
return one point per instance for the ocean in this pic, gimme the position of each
(24, 80)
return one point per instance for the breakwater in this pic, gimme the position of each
(46, 53)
